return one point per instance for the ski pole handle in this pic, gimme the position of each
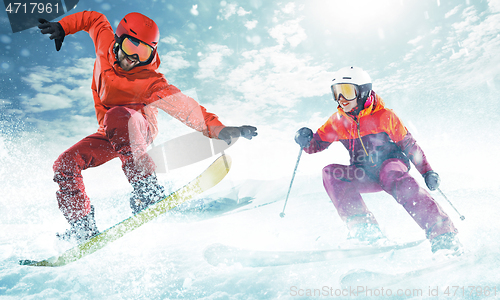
(461, 216)
(282, 214)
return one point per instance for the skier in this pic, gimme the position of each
(380, 149)
(127, 91)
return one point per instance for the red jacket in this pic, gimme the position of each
(143, 88)
(372, 137)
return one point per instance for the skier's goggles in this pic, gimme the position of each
(131, 46)
(347, 90)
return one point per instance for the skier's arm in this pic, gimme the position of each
(417, 157)
(403, 138)
(323, 137)
(413, 151)
(316, 144)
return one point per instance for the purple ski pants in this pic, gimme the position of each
(345, 184)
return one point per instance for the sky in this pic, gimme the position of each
(270, 64)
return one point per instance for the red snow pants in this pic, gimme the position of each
(344, 185)
(127, 137)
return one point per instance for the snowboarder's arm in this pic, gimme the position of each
(184, 108)
(96, 24)
(100, 111)
(229, 132)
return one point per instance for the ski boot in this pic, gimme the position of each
(146, 191)
(366, 233)
(81, 230)
(446, 241)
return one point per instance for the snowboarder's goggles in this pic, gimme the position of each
(131, 46)
(347, 90)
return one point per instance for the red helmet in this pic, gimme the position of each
(140, 27)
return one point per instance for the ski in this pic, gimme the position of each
(222, 254)
(208, 179)
(361, 277)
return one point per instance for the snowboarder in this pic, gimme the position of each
(127, 91)
(380, 149)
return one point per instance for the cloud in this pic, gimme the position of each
(242, 12)
(194, 10)
(227, 10)
(66, 130)
(465, 46)
(255, 40)
(169, 40)
(60, 88)
(173, 61)
(44, 102)
(267, 83)
(270, 83)
(289, 32)
(231, 9)
(251, 24)
(289, 8)
(470, 18)
(415, 40)
(452, 12)
(212, 62)
(494, 6)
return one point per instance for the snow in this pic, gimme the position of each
(164, 259)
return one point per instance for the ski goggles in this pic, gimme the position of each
(131, 46)
(347, 90)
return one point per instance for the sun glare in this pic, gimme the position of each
(358, 16)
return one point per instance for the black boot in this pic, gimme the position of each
(81, 230)
(147, 191)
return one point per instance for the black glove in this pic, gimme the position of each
(303, 137)
(246, 131)
(54, 29)
(432, 180)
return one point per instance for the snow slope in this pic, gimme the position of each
(164, 259)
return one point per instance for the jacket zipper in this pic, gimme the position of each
(359, 137)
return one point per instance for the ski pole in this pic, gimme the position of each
(282, 214)
(461, 216)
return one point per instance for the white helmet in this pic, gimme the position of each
(357, 77)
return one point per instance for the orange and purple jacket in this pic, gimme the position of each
(375, 135)
(143, 88)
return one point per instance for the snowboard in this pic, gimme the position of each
(222, 254)
(208, 179)
(186, 150)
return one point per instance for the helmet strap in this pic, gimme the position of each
(116, 47)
